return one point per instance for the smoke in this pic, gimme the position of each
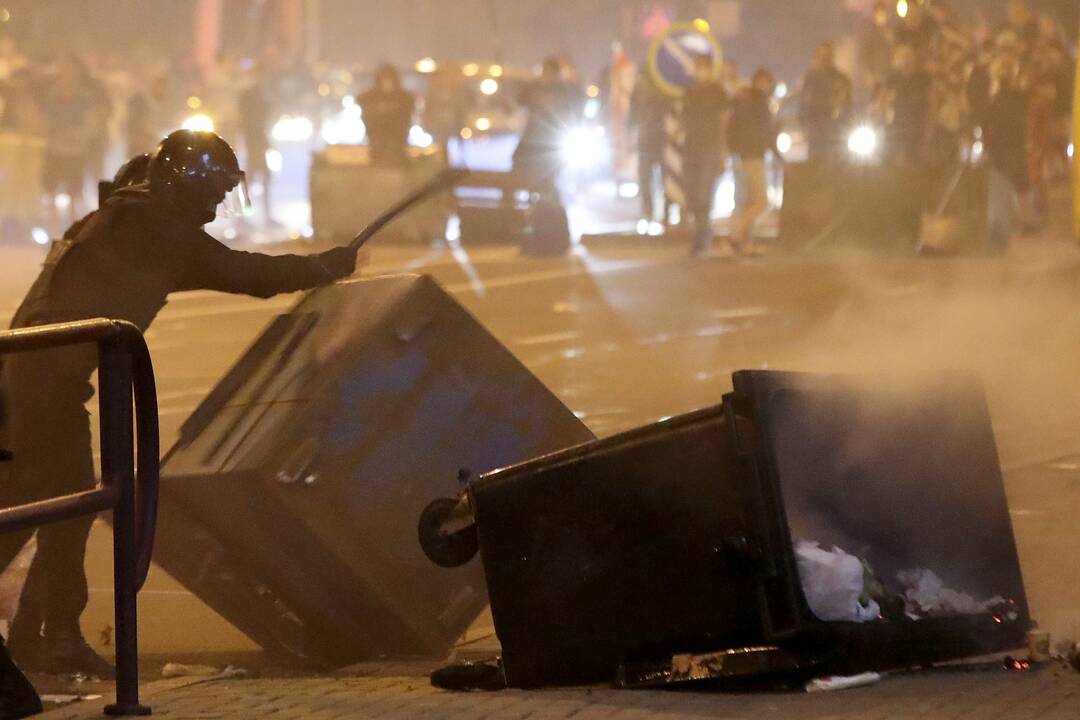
(1013, 322)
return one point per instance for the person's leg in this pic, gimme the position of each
(648, 159)
(707, 174)
(753, 202)
(11, 493)
(52, 446)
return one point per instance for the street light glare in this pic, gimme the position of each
(902, 8)
(489, 86)
(199, 123)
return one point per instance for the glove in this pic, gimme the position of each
(339, 262)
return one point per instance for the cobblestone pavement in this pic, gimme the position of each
(1049, 693)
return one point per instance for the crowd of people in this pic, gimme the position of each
(947, 88)
(938, 91)
(942, 88)
(93, 109)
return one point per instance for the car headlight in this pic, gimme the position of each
(293, 129)
(863, 142)
(418, 137)
(783, 143)
(584, 147)
(200, 122)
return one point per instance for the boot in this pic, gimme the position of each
(60, 654)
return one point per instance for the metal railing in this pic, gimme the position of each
(129, 478)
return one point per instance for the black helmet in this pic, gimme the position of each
(195, 170)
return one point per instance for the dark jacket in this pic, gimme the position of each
(649, 108)
(704, 106)
(122, 261)
(388, 117)
(750, 131)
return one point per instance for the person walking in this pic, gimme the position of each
(705, 113)
(751, 135)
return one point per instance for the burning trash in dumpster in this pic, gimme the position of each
(840, 586)
(806, 526)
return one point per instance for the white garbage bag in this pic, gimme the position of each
(833, 583)
(925, 594)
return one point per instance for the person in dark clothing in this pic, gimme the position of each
(751, 134)
(122, 261)
(910, 91)
(554, 106)
(649, 108)
(825, 106)
(388, 116)
(1005, 140)
(704, 112)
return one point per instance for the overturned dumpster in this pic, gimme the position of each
(809, 524)
(288, 504)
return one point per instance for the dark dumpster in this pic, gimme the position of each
(288, 504)
(811, 524)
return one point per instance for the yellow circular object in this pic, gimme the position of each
(660, 40)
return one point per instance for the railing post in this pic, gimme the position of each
(118, 467)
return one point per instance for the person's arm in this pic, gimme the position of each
(206, 264)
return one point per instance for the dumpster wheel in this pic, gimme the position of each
(448, 550)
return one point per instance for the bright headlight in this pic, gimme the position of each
(863, 141)
(584, 147)
(783, 143)
(293, 129)
(419, 137)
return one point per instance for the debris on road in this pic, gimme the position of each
(173, 670)
(64, 699)
(843, 682)
(1038, 643)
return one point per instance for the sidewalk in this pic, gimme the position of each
(1051, 692)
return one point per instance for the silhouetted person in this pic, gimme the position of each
(121, 262)
(825, 105)
(751, 135)
(704, 113)
(388, 116)
(910, 89)
(649, 109)
(553, 108)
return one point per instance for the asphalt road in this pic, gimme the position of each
(628, 335)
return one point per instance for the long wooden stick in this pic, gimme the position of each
(443, 180)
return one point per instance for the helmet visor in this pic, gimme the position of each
(237, 201)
